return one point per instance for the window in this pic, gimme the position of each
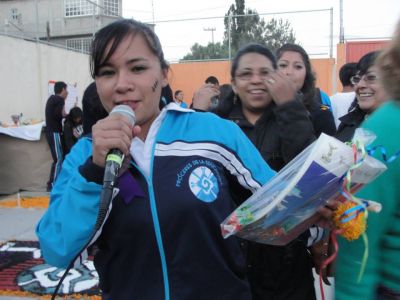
(14, 14)
(81, 45)
(80, 7)
(111, 7)
(15, 17)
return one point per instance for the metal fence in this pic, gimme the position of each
(178, 35)
(57, 23)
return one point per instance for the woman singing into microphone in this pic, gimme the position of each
(162, 238)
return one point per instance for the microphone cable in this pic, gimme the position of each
(114, 161)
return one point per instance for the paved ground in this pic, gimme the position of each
(19, 223)
(14, 298)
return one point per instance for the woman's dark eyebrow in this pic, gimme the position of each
(135, 60)
(130, 61)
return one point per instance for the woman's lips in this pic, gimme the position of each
(131, 103)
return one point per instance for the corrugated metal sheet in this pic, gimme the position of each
(355, 50)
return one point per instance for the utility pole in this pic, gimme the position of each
(152, 10)
(331, 34)
(37, 20)
(229, 37)
(212, 29)
(341, 34)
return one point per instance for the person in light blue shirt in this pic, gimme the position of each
(179, 98)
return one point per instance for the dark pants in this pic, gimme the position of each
(280, 273)
(55, 143)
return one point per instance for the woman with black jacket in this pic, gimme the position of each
(72, 128)
(370, 94)
(265, 105)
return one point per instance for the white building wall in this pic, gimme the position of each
(26, 69)
(35, 14)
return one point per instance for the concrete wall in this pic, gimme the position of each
(27, 67)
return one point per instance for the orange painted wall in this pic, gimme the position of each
(340, 61)
(188, 77)
(355, 50)
(323, 69)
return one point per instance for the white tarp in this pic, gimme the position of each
(25, 132)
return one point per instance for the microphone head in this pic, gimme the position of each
(126, 111)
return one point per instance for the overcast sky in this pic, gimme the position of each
(363, 19)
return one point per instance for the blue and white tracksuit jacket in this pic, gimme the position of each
(162, 238)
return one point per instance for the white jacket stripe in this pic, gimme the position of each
(214, 152)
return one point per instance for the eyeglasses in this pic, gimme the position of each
(248, 75)
(368, 78)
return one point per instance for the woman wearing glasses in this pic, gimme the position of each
(370, 94)
(266, 106)
(381, 279)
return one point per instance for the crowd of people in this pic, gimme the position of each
(186, 168)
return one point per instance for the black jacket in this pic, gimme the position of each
(349, 123)
(322, 119)
(69, 137)
(279, 272)
(321, 116)
(280, 134)
(54, 113)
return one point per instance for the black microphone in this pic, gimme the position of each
(114, 161)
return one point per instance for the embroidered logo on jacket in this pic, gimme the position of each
(204, 184)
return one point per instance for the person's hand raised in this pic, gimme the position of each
(202, 97)
(112, 132)
(280, 87)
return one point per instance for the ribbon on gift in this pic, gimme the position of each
(358, 210)
(382, 150)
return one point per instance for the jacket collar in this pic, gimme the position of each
(354, 118)
(238, 117)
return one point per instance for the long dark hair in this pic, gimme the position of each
(113, 34)
(251, 48)
(365, 62)
(226, 105)
(308, 88)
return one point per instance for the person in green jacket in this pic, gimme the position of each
(381, 279)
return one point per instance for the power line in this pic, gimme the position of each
(244, 15)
